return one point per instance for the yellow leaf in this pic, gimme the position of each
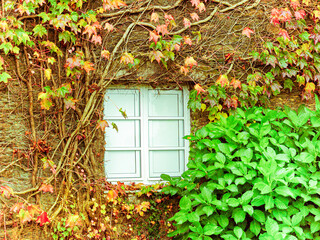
(203, 107)
(47, 73)
(310, 87)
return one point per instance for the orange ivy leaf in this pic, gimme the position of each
(73, 220)
(46, 188)
(199, 89)
(187, 40)
(156, 55)
(73, 62)
(201, 7)
(177, 47)
(112, 195)
(108, 27)
(316, 14)
(284, 34)
(17, 206)
(295, 4)
(24, 216)
(142, 208)
(6, 191)
(162, 29)
(247, 31)
(186, 22)
(194, 16)
(223, 80)
(190, 62)
(88, 66)
(235, 83)
(184, 70)
(70, 102)
(91, 30)
(102, 124)
(154, 36)
(154, 17)
(113, 4)
(127, 58)
(310, 87)
(45, 103)
(105, 54)
(43, 218)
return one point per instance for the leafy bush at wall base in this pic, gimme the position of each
(254, 175)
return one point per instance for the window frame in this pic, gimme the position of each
(144, 133)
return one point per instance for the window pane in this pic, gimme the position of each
(166, 133)
(168, 162)
(128, 134)
(127, 100)
(165, 103)
(122, 164)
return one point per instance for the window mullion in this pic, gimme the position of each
(144, 134)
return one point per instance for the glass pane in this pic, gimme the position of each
(165, 103)
(166, 133)
(127, 100)
(121, 164)
(128, 134)
(168, 162)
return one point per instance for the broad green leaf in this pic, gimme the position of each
(212, 229)
(285, 191)
(193, 217)
(4, 77)
(272, 226)
(238, 215)
(223, 221)
(238, 232)
(233, 202)
(248, 209)
(246, 197)
(208, 210)
(255, 227)
(314, 227)
(185, 203)
(39, 30)
(259, 216)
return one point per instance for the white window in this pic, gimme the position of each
(150, 141)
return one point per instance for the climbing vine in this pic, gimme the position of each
(67, 53)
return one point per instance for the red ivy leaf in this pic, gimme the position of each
(109, 27)
(46, 188)
(295, 4)
(195, 2)
(154, 36)
(96, 39)
(187, 40)
(91, 30)
(162, 29)
(43, 218)
(300, 14)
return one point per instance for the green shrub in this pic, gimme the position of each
(254, 175)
